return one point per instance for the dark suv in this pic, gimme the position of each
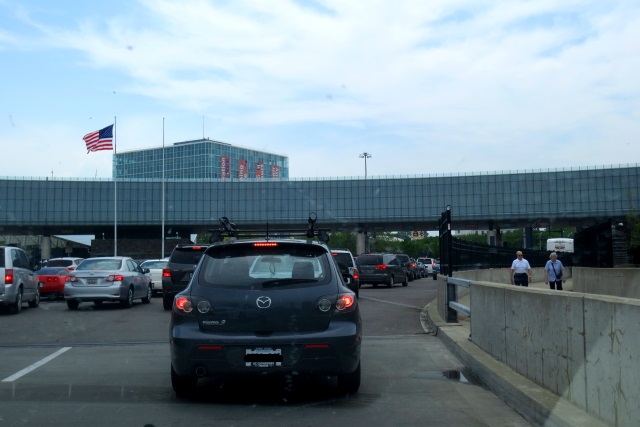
(381, 269)
(348, 268)
(179, 270)
(263, 307)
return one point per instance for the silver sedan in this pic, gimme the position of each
(101, 279)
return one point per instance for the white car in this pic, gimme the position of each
(68, 262)
(155, 267)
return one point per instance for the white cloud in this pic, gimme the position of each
(478, 82)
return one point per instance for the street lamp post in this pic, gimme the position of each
(365, 156)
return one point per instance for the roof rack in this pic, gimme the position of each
(229, 229)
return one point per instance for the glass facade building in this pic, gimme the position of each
(199, 159)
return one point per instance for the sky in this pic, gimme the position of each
(424, 87)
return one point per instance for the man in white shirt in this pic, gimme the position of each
(520, 271)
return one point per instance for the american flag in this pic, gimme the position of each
(99, 140)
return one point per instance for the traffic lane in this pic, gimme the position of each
(396, 310)
(419, 293)
(405, 382)
(53, 323)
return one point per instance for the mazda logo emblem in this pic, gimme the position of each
(263, 302)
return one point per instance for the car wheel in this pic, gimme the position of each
(406, 281)
(36, 300)
(391, 282)
(167, 301)
(147, 299)
(350, 383)
(128, 303)
(184, 386)
(16, 307)
(73, 304)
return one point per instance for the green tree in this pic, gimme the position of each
(343, 240)
(634, 230)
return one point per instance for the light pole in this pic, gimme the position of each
(365, 156)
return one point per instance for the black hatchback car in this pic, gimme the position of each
(260, 307)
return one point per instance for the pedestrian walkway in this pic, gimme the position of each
(536, 404)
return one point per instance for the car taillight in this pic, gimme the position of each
(115, 278)
(72, 279)
(265, 245)
(381, 267)
(8, 276)
(187, 305)
(183, 304)
(345, 302)
(166, 272)
(356, 273)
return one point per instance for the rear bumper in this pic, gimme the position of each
(103, 293)
(331, 352)
(374, 278)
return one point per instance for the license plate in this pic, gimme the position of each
(92, 282)
(263, 357)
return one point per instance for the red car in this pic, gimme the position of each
(51, 281)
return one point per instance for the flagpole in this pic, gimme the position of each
(115, 193)
(162, 236)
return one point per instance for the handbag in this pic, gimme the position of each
(558, 275)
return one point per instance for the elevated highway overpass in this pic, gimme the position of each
(485, 201)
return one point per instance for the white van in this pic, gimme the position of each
(560, 245)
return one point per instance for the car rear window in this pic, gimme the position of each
(100, 264)
(253, 266)
(187, 255)
(52, 271)
(59, 263)
(369, 260)
(159, 265)
(342, 257)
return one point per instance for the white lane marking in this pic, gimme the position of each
(35, 366)
(399, 304)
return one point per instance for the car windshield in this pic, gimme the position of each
(249, 266)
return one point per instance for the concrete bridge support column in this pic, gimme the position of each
(362, 240)
(494, 238)
(45, 247)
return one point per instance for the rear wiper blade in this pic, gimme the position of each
(285, 281)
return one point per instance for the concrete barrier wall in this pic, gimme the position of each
(620, 282)
(585, 348)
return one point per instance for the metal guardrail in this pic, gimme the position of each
(453, 306)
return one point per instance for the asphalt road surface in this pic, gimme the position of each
(110, 366)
